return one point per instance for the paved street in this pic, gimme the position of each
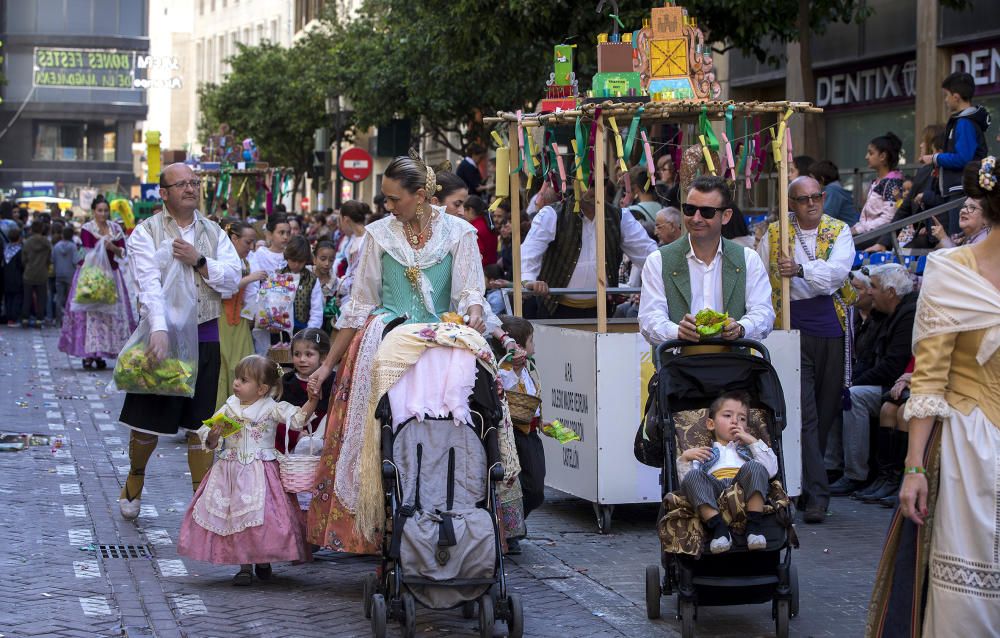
(61, 507)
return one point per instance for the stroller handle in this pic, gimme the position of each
(682, 343)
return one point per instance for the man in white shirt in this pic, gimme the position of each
(822, 256)
(560, 251)
(202, 246)
(703, 270)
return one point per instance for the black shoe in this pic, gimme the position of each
(243, 578)
(871, 489)
(845, 486)
(890, 501)
(263, 571)
(889, 488)
(101, 364)
(814, 515)
(513, 547)
(832, 476)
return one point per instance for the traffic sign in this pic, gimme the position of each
(355, 164)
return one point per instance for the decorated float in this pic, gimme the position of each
(655, 93)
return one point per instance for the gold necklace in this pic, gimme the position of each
(416, 238)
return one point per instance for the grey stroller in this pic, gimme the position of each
(442, 547)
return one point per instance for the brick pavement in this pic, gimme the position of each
(61, 503)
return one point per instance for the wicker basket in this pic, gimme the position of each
(297, 471)
(280, 355)
(522, 406)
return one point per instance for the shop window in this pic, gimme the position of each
(848, 134)
(74, 142)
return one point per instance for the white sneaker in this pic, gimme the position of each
(756, 541)
(720, 545)
(129, 509)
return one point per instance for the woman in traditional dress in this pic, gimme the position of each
(97, 335)
(940, 570)
(235, 340)
(415, 265)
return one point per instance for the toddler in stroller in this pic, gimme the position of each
(740, 470)
(445, 443)
(735, 456)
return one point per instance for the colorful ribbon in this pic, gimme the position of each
(619, 147)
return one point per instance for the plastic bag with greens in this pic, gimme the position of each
(560, 432)
(96, 290)
(710, 323)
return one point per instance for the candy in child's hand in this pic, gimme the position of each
(560, 432)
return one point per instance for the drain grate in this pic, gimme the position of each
(124, 551)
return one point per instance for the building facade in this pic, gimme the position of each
(73, 95)
(885, 74)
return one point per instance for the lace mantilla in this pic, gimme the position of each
(921, 406)
(450, 235)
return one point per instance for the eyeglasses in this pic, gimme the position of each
(192, 183)
(707, 212)
(970, 209)
(803, 199)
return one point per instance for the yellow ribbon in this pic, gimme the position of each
(707, 154)
(618, 144)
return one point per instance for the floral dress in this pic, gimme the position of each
(98, 334)
(392, 281)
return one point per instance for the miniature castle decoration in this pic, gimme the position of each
(679, 66)
(561, 89)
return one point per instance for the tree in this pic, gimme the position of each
(445, 64)
(784, 22)
(273, 95)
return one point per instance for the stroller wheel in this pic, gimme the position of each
(783, 612)
(515, 617)
(469, 609)
(486, 616)
(653, 591)
(793, 584)
(379, 616)
(687, 614)
(409, 615)
(371, 583)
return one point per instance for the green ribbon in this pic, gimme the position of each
(730, 128)
(705, 128)
(621, 25)
(633, 130)
(581, 150)
(746, 145)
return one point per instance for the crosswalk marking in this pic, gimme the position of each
(112, 440)
(158, 537)
(97, 606)
(86, 569)
(188, 604)
(66, 470)
(53, 415)
(107, 427)
(74, 511)
(148, 511)
(56, 427)
(78, 537)
(172, 567)
(69, 488)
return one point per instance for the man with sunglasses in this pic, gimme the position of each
(200, 244)
(703, 270)
(821, 258)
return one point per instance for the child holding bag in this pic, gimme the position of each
(241, 514)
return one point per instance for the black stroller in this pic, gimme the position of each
(442, 545)
(736, 577)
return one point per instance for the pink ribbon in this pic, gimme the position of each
(650, 166)
(727, 159)
(788, 145)
(562, 167)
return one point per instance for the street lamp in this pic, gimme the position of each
(339, 108)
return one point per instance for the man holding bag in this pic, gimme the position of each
(205, 250)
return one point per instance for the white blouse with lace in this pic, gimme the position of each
(449, 235)
(260, 422)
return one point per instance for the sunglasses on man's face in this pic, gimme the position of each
(707, 212)
(805, 199)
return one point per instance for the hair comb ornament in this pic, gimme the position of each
(987, 180)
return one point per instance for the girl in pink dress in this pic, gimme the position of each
(241, 514)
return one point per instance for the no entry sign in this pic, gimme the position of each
(355, 164)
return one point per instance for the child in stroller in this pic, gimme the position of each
(736, 456)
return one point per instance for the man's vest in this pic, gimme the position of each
(829, 229)
(677, 279)
(562, 254)
(162, 226)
